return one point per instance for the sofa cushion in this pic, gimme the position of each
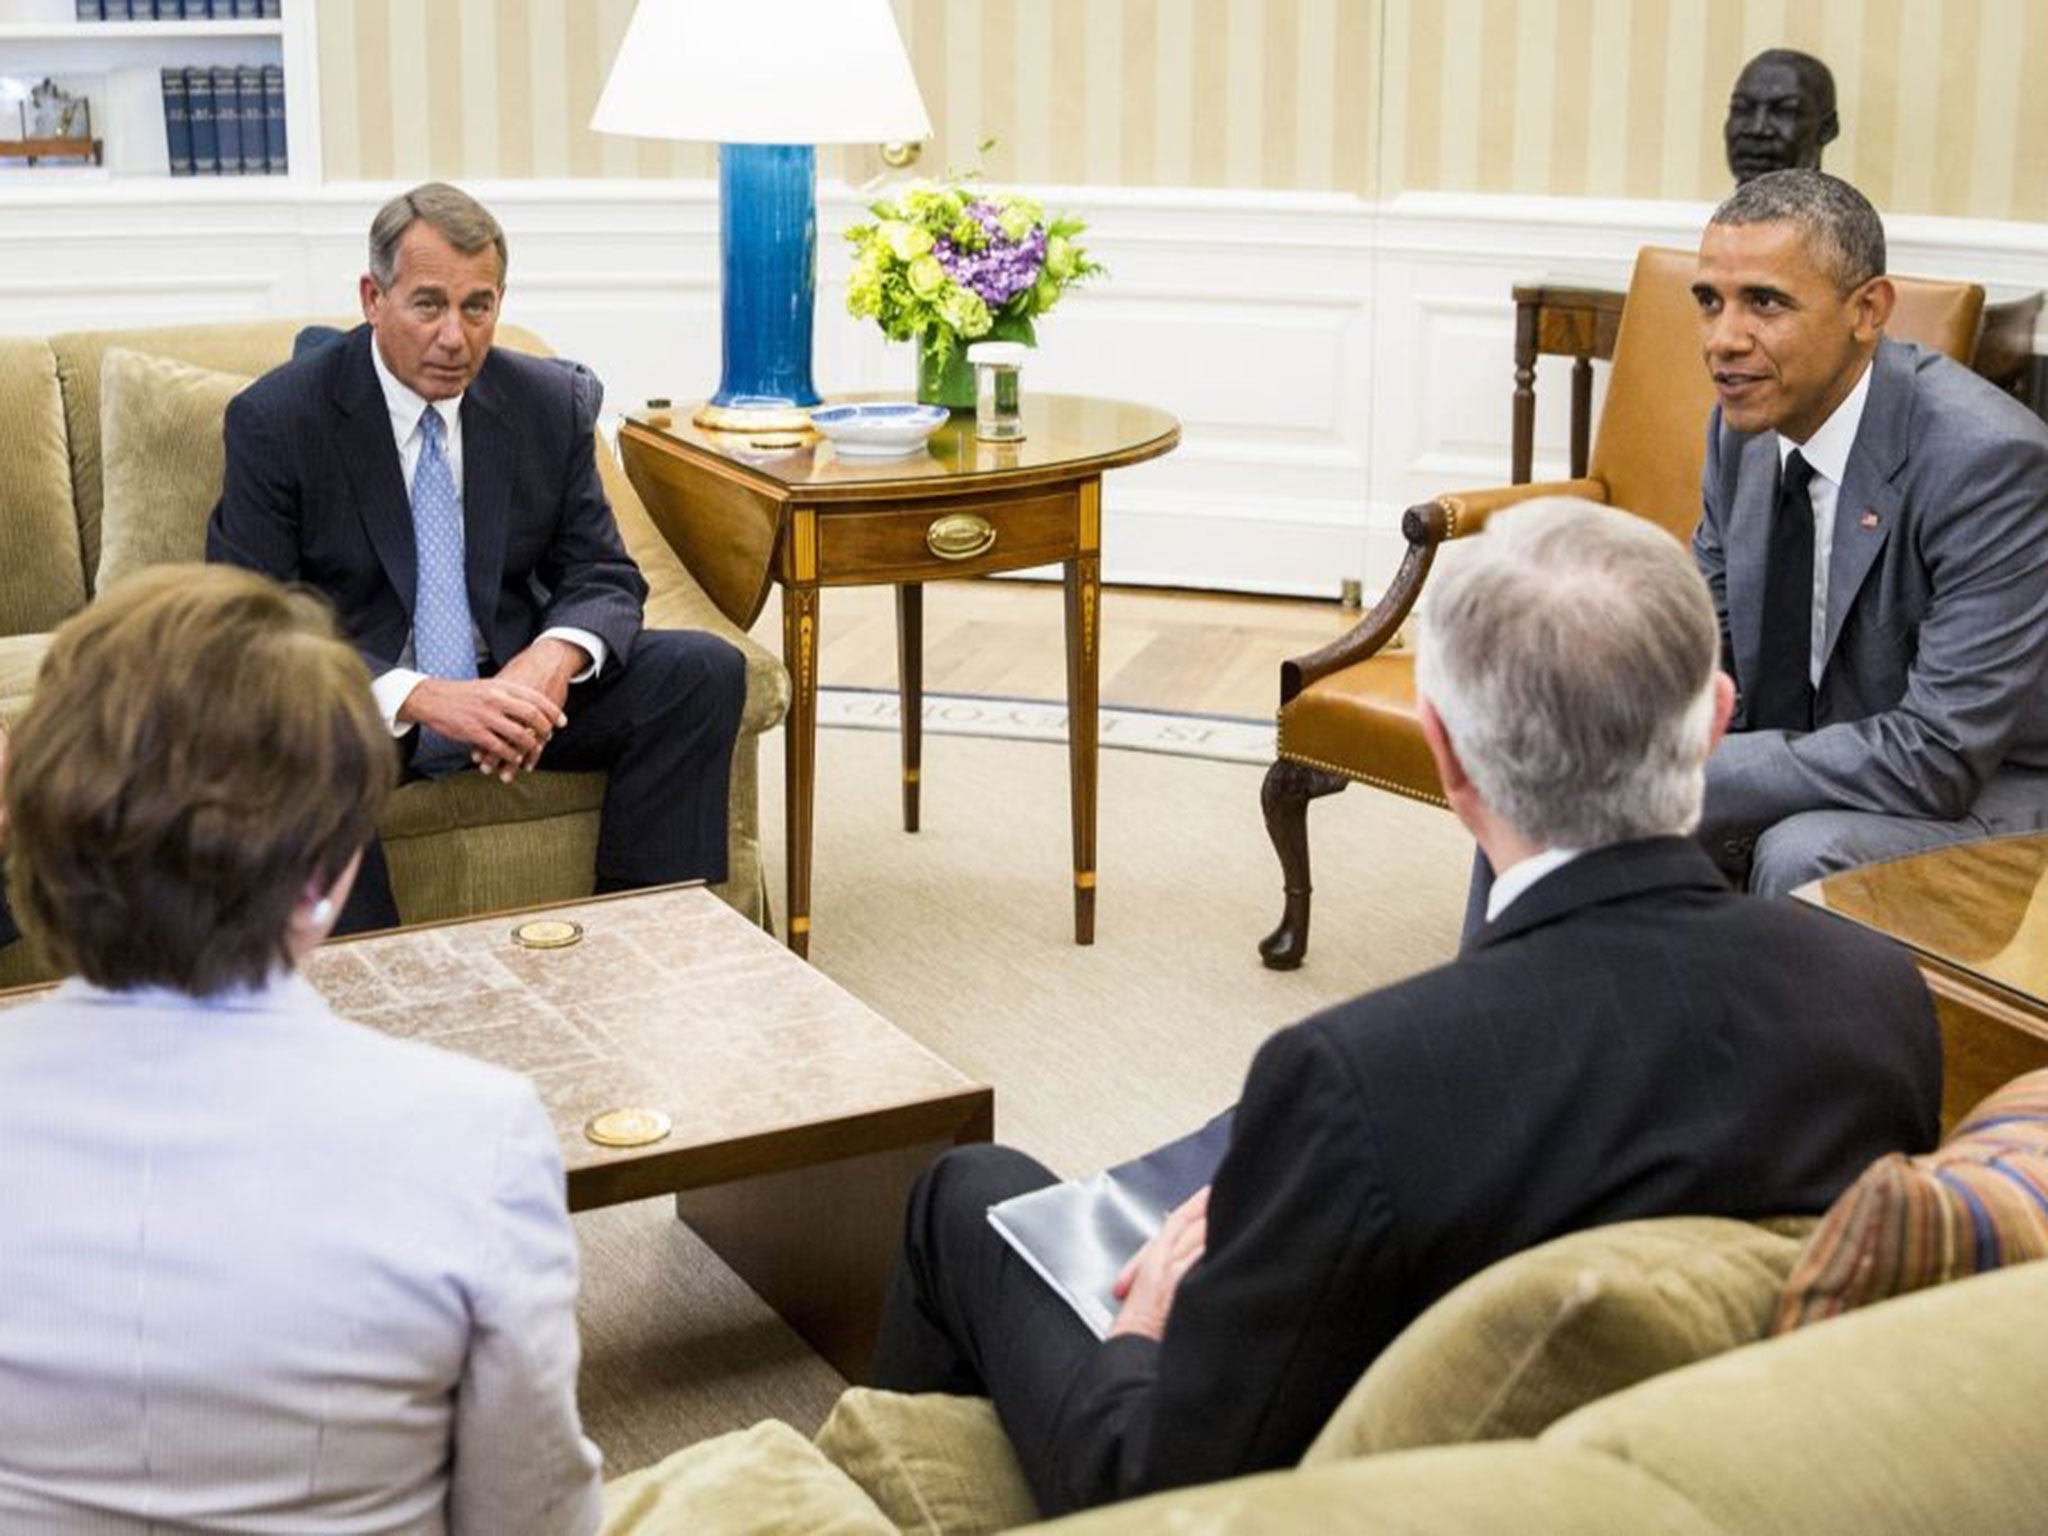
(935, 1465)
(1977, 1202)
(1917, 1415)
(765, 1479)
(161, 459)
(1532, 1338)
(247, 347)
(42, 575)
(468, 844)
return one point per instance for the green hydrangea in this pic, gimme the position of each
(951, 262)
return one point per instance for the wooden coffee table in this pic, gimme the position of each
(805, 518)
(800, 1115)
(1975, 917)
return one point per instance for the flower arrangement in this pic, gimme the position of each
(953, 262)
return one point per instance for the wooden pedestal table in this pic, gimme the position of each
(1975, 917)
(741, 515)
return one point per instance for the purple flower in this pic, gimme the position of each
(1002, 268)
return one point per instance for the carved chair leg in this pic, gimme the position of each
(1285, 796)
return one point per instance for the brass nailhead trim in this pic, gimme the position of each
(1366, 778)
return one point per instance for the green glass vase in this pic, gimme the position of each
(950, 383)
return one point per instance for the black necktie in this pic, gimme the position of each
(1783, 696)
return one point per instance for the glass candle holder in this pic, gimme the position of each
(998, 393)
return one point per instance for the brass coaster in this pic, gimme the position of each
(627, 1127)
(547, 933)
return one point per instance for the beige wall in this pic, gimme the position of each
(1942, 102)
(1607, 98)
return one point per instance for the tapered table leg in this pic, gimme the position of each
(910, 689)
(1084, 594)
(800, 754)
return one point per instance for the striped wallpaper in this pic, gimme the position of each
(1607, 98)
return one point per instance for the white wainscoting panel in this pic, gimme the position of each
(1332, 362)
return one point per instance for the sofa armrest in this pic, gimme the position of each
(676, 601)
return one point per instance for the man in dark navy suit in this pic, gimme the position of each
(1627, 1038)
(444, 495)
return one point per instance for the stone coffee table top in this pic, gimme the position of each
(670, 1001)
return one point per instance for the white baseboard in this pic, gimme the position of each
(1332, 362)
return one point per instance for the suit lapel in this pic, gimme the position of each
(486, 502)
(370, 460)
(1748, 544)
(1868, 505)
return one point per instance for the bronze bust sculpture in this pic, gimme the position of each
(1781, 114)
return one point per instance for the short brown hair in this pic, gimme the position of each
(449, 211)
(201, 744)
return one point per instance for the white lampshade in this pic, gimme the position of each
(763, 72)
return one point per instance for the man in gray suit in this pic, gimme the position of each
(1875, 533)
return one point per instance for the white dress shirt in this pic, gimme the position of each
(1516, 879)
(1828, 452)
(264, 1270)
(406, 408)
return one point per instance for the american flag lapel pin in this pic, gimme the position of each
(1869, 520)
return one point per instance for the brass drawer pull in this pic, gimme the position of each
(960, 536)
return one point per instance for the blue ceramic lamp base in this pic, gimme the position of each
(768, 249)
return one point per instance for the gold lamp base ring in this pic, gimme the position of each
(752, 418)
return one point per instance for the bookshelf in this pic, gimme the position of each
(118, 65)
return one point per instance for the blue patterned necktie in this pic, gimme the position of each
(443, 641)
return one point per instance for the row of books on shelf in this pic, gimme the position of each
(225, 120)
(180, 10)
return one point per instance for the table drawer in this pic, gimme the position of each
(954, 537)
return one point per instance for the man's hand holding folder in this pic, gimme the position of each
(1147, 1282)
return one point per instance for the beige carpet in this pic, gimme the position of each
(962, 935)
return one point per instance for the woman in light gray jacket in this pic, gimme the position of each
(261, 1269)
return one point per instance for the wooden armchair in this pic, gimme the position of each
(1347, 711)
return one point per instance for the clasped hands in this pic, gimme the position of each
(1147, 1282)
(507, 719)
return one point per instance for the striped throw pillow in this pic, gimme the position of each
(1977, 1202)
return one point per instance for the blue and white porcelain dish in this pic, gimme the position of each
(878, 429)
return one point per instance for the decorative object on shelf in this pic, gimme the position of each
(52, 123)
(946, 263)
(998, 393)
(880, 430)
(765, 82)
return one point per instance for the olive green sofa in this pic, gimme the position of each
(1612, 1383)
(110, 451)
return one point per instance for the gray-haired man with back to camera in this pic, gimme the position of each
(1626, 1038)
